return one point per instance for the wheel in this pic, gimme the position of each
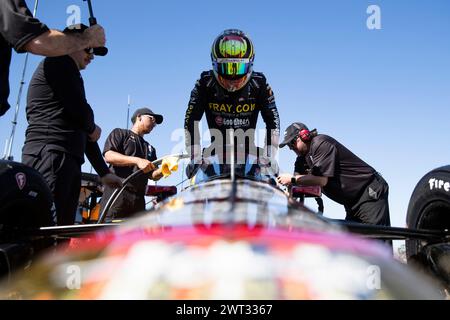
(429, 208)
(25, 198)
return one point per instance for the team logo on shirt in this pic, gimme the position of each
(234, 122)
(373, 194)
(231, 108)
(219, 121)
(21, 180)
(241, 122)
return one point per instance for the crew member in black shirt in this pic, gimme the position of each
(344, 177)
(61, 128)
(19, 30)
(126, 151)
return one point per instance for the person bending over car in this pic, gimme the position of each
(232, 95)
(344, 177)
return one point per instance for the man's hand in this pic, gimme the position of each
(285, 179)
(112, 181)
(96, 36)
(145, 165)
(95, 136)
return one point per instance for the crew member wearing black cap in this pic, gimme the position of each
(61, 128)
(126, 151)
(344, 177)
(19, 30)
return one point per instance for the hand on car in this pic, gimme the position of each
(285, 179)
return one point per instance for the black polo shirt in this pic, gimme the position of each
(17, 28)
(128, 143)
(59, 116)
(347, 174)
(301, 166)
(58, 113)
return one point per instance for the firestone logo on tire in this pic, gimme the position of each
(439, 184)
(21, 180)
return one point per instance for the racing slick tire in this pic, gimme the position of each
(25, 199)
(429, 207)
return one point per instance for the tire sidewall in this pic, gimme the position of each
(34, 191)
(424, 196)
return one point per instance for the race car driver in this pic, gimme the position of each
(232, 95)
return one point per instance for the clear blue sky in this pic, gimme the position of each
(385, 94)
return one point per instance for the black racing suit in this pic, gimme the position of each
(232, 110)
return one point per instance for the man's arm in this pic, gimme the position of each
(310, 180)
(304, 180)
(26, 33)
(94, 156)
(120, 160)
(54, 43)
(269, 113)
(17, 24)
(193, 115)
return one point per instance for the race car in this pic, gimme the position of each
(232, 234)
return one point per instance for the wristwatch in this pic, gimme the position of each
(293, 180)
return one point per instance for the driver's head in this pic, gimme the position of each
(232, 56)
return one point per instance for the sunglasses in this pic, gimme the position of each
(292, 143)
(89, 50)
(149, 116)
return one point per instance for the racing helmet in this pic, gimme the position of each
(232, 56)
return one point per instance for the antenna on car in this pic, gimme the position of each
(233, 173)
(232, 162)
(10, 141)
(128, 112)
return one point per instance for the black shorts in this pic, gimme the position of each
(62, 172)
(373, 206)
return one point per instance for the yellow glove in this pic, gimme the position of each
(169, 165)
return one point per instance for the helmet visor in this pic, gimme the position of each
(230, 68)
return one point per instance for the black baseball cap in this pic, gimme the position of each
(291, 132)
(79, 28)
(142, 111)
